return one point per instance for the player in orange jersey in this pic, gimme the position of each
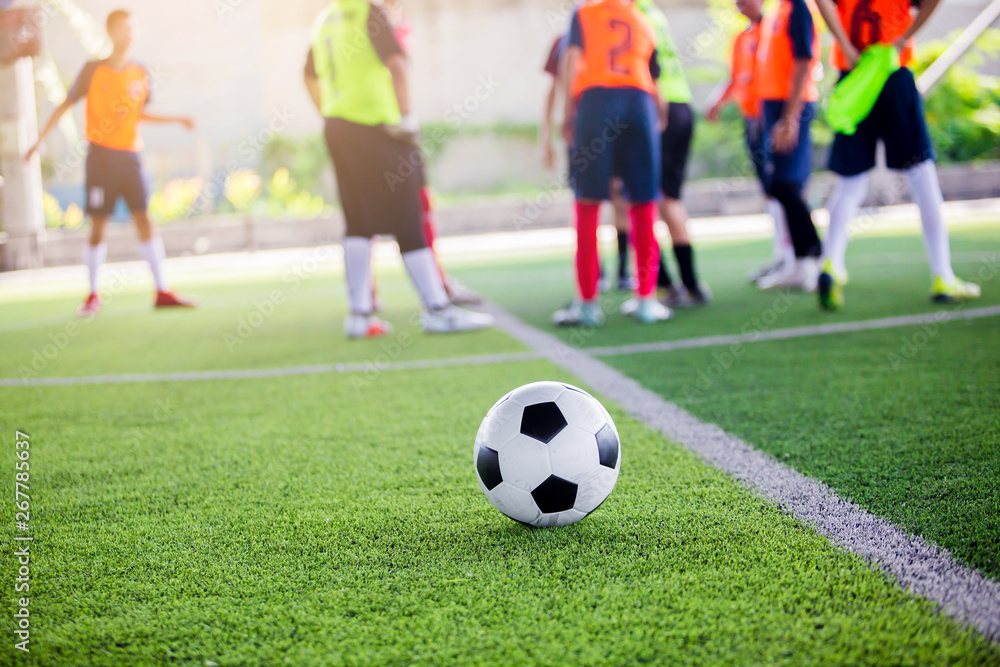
(898, 121)
(785, 82)
(612, 121)
(741, 89)
(117, 91)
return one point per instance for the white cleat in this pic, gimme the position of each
(365, 326)
(802, 274)
(579, 314)
(650, 310)
(452, 319)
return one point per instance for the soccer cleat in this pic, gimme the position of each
(802, 274)
(682, 298)
(171, 300)
(830, 287)
(365, 326)
(579, 314)
(91, 306)
(626, 283)
(630, 306)
(766, 270)
(460, 295)
(452, 319)
(649, 310)
(957, 290)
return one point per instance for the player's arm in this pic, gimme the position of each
(76, 93)
(662, 104)
(574, 52)
(545, 131)
(391, 54)
(927, 8)
(311, 81)
(828, 10)
(186, 121)
(721, 101)
(786, 131)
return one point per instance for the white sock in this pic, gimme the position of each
(152, 251)
(93, 258)
(926, 192)
(426, 277)
(782, 249)
(848, 195)
(358, 266)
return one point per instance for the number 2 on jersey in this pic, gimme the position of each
(622, 48)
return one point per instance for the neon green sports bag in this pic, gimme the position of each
(855, 96)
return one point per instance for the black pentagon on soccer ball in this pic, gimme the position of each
(555, 495)
(542, 421)
(607, 446)
(488, 465)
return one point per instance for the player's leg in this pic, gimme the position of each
(788, 174)
(622, 223)
(459, 294)
(591, 171)
(908, 148)
(782, 252)
(638, 159)
(676, 149)
(342, 145)
(101, 196)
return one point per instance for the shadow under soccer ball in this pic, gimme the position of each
(547, 454)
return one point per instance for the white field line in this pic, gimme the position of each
(482, 360)
(922, 568)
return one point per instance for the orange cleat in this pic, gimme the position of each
(90, 307)
(171, 300)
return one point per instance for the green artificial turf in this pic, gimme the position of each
(906, 422)
(889, 276)
(322, 520)
(257, 323)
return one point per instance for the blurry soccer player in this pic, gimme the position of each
(675, 148)
(457, 293)
(898, 121)
(117, 91)
(742, 90)
(554, 66)
(613, 128)
(356, 74)
(787, 58)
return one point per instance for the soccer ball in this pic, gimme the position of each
(547, 454)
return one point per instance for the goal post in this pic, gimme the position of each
(22, 221)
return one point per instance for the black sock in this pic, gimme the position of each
(663, 279)
(622, 254)
(685, 265)
(800, 224)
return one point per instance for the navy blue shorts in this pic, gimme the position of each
(897, 120)
(617, 134)
(796, 166)
(753, 133)
(112, 175)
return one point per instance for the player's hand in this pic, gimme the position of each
(852, 56)
(785, 135)
(568, 130)
(31, 153)
(187, 122)
(901, 44)
(714, 113)
(549, 155)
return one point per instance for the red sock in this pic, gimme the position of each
(588, 260)
(647, 250)
(428, 217)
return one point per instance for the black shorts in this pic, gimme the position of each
(897, 120)
(113, 174)
(379, 179)
(676, 144)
